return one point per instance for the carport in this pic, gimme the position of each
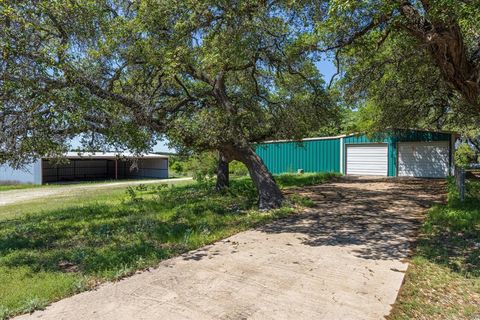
(104, 166)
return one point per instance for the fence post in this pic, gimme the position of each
(461, 184)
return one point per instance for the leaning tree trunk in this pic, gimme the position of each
(269, 195)
(223, 179)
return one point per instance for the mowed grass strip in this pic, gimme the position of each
(443, 280)
(50, 252)
(72, 195)
(8, 187)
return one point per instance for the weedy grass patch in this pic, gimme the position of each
(443, 280)
(50, 252)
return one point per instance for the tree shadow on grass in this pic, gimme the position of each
(101, 239)
(451, 237)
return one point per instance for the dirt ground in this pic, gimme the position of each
(20, 195)
(343, 259)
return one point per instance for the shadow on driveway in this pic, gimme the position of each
(381, 217)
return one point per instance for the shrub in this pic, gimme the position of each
(238, 169)
(464, 155)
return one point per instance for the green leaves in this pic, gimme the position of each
(394, 55)
(464, 155)
(205, 73)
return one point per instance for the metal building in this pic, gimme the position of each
(412, 153)
(89, 167)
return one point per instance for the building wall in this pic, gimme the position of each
(30, 174)
(145, 168)
(104, 169)
(328, 154)
(311, 156)
(76, 170)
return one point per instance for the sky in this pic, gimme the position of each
(325, 66)
(327, 69)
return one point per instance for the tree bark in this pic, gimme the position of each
(445, 44)
(223, 178)
(269, 195)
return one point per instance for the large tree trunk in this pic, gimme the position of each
(269, 195)
(223, 179)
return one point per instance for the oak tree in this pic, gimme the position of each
(211, 75)
(413, 62)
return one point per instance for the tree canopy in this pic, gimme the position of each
(211, 75)
(222, 75)
(411, 63)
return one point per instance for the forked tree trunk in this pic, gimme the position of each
(223, 178)
(269, 195)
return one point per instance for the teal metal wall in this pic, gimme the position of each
(311, 156)
(324, 154)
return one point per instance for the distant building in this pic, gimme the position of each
(89, 167)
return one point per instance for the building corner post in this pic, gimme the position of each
(342, 156)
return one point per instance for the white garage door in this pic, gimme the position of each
(423, 159)
(367, 159)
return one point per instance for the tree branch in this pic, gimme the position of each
(337, 63)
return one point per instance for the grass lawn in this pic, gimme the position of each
(16, 186)
(53, 248)
(7, 187)
(77, 196)
(443, 280)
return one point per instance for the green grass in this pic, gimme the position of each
(55, 248)
(289, 180)
(17, 186)
(8, 187)
(443, 280)
(77, 197)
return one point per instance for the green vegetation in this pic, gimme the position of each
(443, 280)
(208, 76)
(464, 155)
(76, 196)
(288, 180)
(64, 248)
(7, 187)
(17, 186)
(391, 57)
(202, 166)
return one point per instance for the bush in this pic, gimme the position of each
(177, 166)
(200, 166)
(238, 169)
(472, 191)
(464, 155)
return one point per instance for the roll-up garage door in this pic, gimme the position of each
(367, 159)
(423, 159)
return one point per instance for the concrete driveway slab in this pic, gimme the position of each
(343, 259)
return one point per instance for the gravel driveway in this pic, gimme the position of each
(20, 195)
(343, 259)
